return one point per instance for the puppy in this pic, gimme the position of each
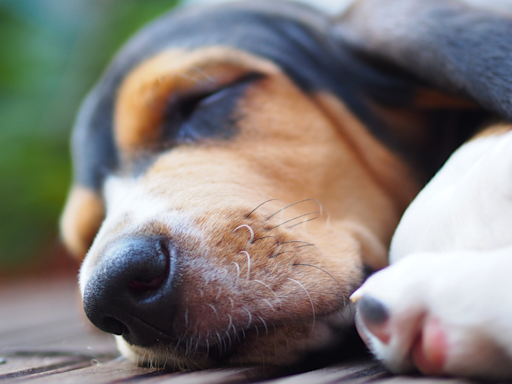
(239, 169)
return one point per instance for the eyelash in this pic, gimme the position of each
(184, 123)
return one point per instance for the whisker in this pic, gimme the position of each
(218, 294)
(303, 222)
(306, 245)
(280, 253)
(265, 325)
(250, 318)
(297, 241)
(265, 202)
(270, 305)
(289, 242)
(214, 310)
(232, 303)
(268, 286)
(264, 237)
(287, 221)
(310, 300)
(220, 341)
(298, 202)
(324, 271)
(237, 271)
(250, 230)
(248, 263)
(236, 333)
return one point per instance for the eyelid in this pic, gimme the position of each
(150, 90)
(210, 116)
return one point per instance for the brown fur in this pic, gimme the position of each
(493, 130)
(81, 220)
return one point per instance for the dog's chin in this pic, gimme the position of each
(278, 345)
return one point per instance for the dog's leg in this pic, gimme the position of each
(442, 313)
(444, 306)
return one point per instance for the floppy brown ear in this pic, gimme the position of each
(81, 220)
(457, 49)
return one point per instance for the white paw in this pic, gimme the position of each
(466, 206)
(441, 313)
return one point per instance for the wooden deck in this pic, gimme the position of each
(44, 338)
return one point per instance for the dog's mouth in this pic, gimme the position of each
(271, 345)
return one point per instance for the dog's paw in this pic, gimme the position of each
(466, 206)
(442, 314)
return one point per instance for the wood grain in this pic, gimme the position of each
(46, 338)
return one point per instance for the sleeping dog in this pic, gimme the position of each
(241, 168)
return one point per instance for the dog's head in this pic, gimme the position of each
(225, 168)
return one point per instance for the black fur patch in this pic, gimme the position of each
(309, 47)
(294, 37)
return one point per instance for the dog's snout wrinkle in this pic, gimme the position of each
(131, 291)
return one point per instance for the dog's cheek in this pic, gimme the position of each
(82, 217)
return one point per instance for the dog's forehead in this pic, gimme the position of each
(296, 39)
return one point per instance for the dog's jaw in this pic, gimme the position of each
(281, 351)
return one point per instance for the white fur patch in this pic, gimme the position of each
(129, 200)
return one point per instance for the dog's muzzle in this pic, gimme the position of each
(132, 290)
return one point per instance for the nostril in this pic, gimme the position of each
(153, 278)
(142, 286)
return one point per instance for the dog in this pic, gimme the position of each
(240, 169)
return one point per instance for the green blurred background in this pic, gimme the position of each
(51, 53)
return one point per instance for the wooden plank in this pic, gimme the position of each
(45, 338)
(334, 374)
(16, 366)
(46, 315)
(424, 380)
(213, 376)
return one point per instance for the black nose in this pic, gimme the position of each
(131, 290)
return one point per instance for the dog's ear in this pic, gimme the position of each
(81, 220)
(453, 62)
(94, 157)
(457, 49)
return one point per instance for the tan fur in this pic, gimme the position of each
(284, 289)
(386, 167)
(433, 99)
(81, 220)
(146, 92)
(493, 130)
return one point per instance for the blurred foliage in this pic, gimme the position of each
(52, 51)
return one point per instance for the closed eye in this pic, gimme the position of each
(193, 118)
